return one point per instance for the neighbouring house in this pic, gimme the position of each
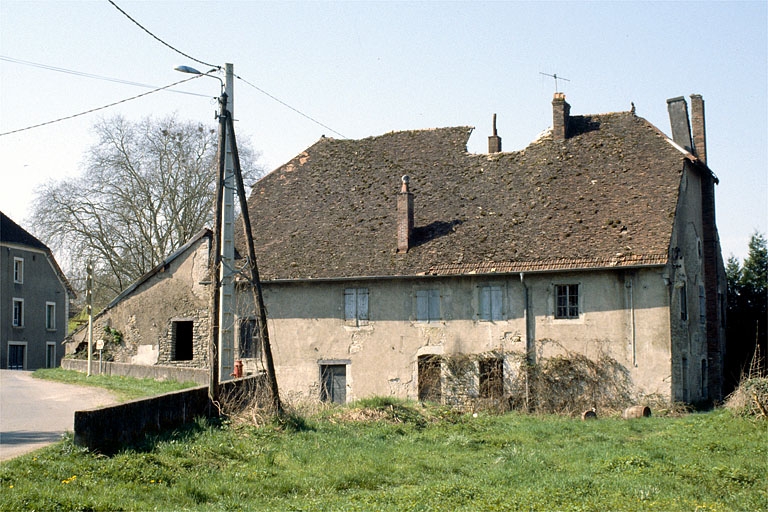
(162, 318)
(404, 265)
(34, 301)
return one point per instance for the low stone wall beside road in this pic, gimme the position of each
(108, 429)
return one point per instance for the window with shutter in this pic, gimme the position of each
(428, 305)
(356, 306)
(491, 303)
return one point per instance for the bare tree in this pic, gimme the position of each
(146, 189)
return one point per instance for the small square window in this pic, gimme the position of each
(50, 316)
(18, 313)
(18, 270)
(567, 301)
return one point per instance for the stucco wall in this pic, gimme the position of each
(623, 314)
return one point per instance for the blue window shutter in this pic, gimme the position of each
(362, 304)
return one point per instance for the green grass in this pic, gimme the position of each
(124, 388)
(415, 459)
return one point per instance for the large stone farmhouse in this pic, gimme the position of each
(34, 301)
(385, 260)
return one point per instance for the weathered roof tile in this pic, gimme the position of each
(609, 189)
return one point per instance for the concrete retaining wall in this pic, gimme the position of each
(108, 429)
(196, 375)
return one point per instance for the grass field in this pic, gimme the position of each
(124, 388)
(383, 454)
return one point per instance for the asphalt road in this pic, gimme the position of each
(35, 412)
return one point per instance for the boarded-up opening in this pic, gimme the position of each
(333, 378)
(429, 378)
(181, 340)
(491, 377)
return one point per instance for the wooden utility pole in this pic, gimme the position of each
(213, 315)
(258, 298)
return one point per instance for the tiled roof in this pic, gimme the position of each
(606, 196)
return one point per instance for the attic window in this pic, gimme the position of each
(356, 306)
(567, 306)
(428, 306)
(491, 303)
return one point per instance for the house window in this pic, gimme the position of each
(18, 270)
(428, 305)
(429, 371)
(356, 306)
(702, 305)
(567, 296)
(491, 377)
(18, 313)
(333, 379)
(50, 354)
(249, 339)
(683, 303)
(50, 316)
(181, 340)
(490, 303)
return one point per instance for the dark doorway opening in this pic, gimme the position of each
(334, 383)
(181, 341)
(429, 378)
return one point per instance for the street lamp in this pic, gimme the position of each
(222, 246)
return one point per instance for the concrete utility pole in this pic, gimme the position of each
(226, 275)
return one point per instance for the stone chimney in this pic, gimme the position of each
(561, 112)
(404, 217)
(699, 129)
(678, 120)
(494, 141)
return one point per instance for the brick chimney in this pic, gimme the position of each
(404, 217)
(699, 129)
(678, 120)
(494, 141)
(561, 112)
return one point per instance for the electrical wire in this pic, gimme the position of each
(89, 75)
(160, 40)
(102, 107)
(290, 107)
(219, 68)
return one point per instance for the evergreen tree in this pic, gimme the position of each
(747, 308)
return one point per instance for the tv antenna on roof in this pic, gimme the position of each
(555, 77)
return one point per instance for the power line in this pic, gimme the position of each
(89, 75)
(101, 108)
(290, 107)
(160, 40)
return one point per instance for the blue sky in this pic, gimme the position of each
(367, 68)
